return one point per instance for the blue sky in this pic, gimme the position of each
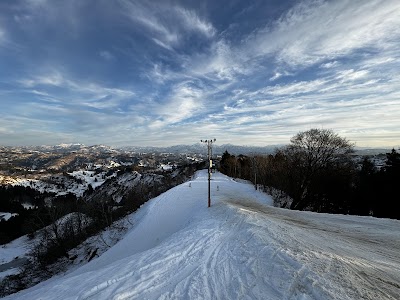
(173, 72)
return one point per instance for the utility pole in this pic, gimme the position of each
(254, 162)
(209, 147)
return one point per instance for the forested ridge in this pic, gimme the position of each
(317, 172)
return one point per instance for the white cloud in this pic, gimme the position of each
(167, 35)
(276, 76)
(157, 73)
(311, 32)
(167, 24)
(295, 88)
(40, 93)
(380, 60)
(314, 31)
(32, 15)
(2, 35)
(106, 55)
(6, 40)
(21, 19)
(53, 78)
(162, 44)
(344, 100)
(337, 62)
(184, 102)
(329, 65)
(36, 3)
(81, 93)
(147, 16)
(279, 74)
(192, 21)
(222, 63)
(352, 75)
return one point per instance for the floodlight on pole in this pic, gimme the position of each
(209, 147)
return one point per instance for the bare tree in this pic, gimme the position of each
(311, 152)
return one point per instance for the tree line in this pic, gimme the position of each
(318, 173)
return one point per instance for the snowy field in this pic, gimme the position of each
(240, 248)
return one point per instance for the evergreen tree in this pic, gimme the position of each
(389, 204)
(393, 162)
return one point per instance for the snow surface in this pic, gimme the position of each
(17, 248)
(240, 248)
(13, 254)
(7, 216)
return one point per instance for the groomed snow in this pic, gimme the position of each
(240, 248)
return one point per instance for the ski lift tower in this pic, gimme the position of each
(209, 147)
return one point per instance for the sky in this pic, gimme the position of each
(160, 73)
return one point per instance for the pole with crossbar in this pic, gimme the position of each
(209, 148)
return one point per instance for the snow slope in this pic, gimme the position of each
(240, 248)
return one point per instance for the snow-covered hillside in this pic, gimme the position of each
(77, 182)
(240, 248)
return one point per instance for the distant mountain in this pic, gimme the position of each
(372, 151)
(198, 148)
(64, 148)
(202, 149)
(246, 150)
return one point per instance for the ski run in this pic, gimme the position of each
(240, 248)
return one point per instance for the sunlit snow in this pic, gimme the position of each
(239, 248)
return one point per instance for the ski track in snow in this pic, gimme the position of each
(240, 248)
(359, 253)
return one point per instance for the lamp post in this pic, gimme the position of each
(209, 147)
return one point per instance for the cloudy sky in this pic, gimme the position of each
(160, 73)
